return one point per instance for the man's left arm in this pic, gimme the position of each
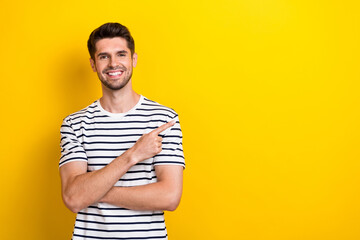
(165, 194)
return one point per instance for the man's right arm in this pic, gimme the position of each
(81, 188)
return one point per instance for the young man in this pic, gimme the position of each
(121, 157)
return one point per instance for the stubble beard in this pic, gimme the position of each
(118, 84)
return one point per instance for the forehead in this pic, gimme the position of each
(111, 44)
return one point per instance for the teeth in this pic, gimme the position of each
(114, 73)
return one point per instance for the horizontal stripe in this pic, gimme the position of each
(169, 155)
(150, 104)
(113, 157)
(73, 159)
(136, 179)
(122, 122)
(100, 157)
(104, 135)
(132, 230)
(105, 164)
(169, 143)
(148, 115)
(103, 208)
(84, 116)
(121, 238)
(120, 216)
(64, 155)
(119, 223)
(107, 149)
(141, 171)
(85, 112)
(169, 162)
(108, 142)
(143, 164)
(157, 109)
(172, 136)
(171, 149)
(70, 133)
(113, 129)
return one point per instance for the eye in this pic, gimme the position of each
(122, 54)
(101, 57)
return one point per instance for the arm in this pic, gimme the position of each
(165, 194)
(81, 188)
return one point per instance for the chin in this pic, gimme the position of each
(115, 87)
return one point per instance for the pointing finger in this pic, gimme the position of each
(163, 127)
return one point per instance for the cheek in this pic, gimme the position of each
(98, 67)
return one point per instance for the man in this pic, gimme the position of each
(121, 157)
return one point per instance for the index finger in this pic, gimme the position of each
(163, 127)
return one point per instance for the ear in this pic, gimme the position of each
(92, 63)
(134, 59)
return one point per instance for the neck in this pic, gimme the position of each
(119, 101)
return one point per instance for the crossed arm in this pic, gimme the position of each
(81, 188)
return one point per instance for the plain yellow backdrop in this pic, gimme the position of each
(268, 97)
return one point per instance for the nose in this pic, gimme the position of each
(113, 62)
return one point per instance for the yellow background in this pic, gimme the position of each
(268, 98)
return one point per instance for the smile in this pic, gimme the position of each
(115, 74)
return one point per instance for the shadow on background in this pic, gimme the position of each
(77, 85)
(75, 90)
(55, 220)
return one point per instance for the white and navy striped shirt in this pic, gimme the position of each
(97, 137)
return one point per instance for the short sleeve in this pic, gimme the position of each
(71, 148)
(172, 148)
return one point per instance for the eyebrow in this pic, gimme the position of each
(105, 53)
(122, 51)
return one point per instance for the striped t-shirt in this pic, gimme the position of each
(97, 137)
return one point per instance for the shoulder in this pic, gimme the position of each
(87, 112)
(151, 106)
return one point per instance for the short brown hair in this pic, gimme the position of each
(110, 30)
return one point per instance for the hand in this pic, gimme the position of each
(149, 144)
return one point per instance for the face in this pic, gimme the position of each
(113, 62)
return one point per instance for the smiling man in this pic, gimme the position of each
(121, 157)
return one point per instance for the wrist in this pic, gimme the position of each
(130, 156)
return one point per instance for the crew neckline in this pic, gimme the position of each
(119, 115)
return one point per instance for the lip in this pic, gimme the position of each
(114, 73)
